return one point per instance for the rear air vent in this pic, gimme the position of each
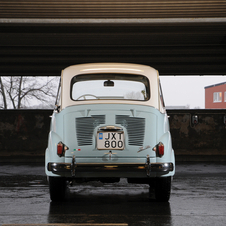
(135, 128)
(85, 127)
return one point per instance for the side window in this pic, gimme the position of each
(58, 97)
(161, 94)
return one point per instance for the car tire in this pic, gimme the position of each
(163, 189)
(57, 188)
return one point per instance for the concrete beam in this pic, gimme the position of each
(9, 21)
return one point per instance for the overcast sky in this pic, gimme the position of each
(187, 90)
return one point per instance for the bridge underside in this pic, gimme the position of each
(176, 37)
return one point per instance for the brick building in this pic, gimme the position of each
(215, 96)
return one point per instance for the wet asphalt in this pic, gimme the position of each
(198, 197)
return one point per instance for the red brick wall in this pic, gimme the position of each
(209, 97)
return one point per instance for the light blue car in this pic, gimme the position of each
(110, 123)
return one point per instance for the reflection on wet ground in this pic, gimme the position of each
(198, 198)
(121, 203)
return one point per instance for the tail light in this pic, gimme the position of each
(61, 148)
(159, 149)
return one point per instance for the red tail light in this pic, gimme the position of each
(60, 149)
(161, 148)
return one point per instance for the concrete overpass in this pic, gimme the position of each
(176, 37)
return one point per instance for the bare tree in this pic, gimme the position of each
(135, 95)
(2, 91)
(23, 91)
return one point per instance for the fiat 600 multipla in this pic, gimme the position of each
(110, 123)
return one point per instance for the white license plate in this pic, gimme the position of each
(110, 140)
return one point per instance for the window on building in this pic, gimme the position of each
(217, 97)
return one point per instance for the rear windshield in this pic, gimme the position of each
(110, 86)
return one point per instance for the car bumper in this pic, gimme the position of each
(74, 168)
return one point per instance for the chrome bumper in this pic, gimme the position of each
(73, 167)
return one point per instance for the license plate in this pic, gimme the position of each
(110, 140)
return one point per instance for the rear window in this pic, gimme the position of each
(110, 86)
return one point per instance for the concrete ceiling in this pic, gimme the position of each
(189, 38)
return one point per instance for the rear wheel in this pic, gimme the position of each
(57, 188)
(163, 189)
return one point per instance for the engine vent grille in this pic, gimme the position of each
(135, 128)
(85, 127)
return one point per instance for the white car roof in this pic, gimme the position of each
(125, 68)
